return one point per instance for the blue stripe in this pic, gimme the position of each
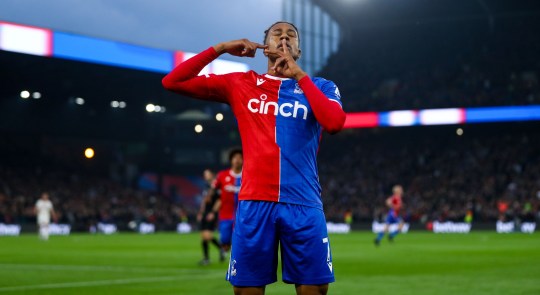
(298, 139)
(106, 52)
(384, 119)
(502, 114)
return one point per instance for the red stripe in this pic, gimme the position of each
(261, 171)
(50, 43)
(362, 120)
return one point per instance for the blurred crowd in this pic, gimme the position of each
(395, 68)
(490, 177)
(464, 64)
(81, 200)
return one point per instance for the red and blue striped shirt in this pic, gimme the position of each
(280, 121)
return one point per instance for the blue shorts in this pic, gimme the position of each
(299, 230)
(393, 217)
(225, 231)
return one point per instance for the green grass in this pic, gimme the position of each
(417, 263)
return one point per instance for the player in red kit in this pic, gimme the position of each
(281, 116)
(228, 183)
(394, 204)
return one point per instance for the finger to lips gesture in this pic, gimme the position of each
(285, 64)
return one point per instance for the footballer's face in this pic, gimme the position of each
(283, 31)
(398, 190)
(208, 175)
(237, 161)
(45, 196)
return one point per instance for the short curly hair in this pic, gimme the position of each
(281, 22)
(234, 152)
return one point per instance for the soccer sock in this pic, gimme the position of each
(380, 235)
(216, 243)
(205, 249)
(393, 234)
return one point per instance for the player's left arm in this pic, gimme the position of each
(216, 186)
(328, 112)
(325, 104)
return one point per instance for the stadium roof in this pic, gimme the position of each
(357, 14)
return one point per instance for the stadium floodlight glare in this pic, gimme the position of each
(219, 117)
(89, 153)
(459, 132)
(157, 108)
(162, 109)
(36, 95)
(198, 128)
(79, 101)
(122, 104)
(115, 104)
(150, 108)
(25, 94)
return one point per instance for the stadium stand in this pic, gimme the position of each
(468, 62)
(444, 175)
(394, 68)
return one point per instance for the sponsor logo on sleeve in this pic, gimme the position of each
(337, 92)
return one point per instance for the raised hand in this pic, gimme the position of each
(285, 65)
(242, 47)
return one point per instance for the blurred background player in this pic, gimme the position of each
(207, 221)
(44, 211)
(228, 183)
(395, 203)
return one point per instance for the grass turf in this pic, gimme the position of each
(166, 263)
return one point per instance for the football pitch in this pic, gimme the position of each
(166, 263)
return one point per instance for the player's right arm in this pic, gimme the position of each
(215, 210)
(184, 78)
(216, 185)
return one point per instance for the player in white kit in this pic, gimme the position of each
(44, 210)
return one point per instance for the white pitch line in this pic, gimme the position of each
(102, 283)
(88, 284)
(108, 268)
